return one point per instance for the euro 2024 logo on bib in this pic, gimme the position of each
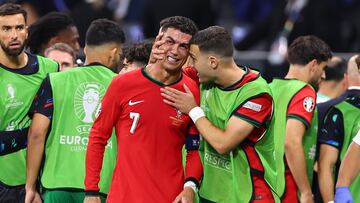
(11, 100)
(87, 101)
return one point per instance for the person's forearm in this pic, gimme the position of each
(349, 168)
(35, 151)
(215, 136)
(326, 183)
(294, 153)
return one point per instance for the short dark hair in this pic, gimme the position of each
(185, 25)
(102, 31)
(46, 28)
(214, 39)
(138, 52)
(12, 9)
(335, 69)
(306, 48)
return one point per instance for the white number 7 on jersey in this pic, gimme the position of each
(135, 117)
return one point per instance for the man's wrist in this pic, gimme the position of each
(191, 185)
(196, 113)
(307, 193)
(30, 187)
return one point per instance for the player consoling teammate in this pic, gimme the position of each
(95, 136)
(235, 112)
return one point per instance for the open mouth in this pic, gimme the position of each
(172, 59)
(15, 45)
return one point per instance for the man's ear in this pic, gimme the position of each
(213, 62)
(313, 65)
(27, 31)
(113, 52)
(85, 50)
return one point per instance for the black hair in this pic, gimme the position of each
(46, 28)
(12, 9)
(306, 48)
(185, 25)
(138, 52)
(102, 31)
(214, 39)
(335, 69)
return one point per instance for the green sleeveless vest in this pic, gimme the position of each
(351, 126)
(16, 96)
(77, 94)
(283, 91)
(227, 177)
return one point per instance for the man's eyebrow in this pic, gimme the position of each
(177, 41)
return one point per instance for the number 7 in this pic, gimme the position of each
(135, 117)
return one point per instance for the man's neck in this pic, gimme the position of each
(229, 74)
(331, 90)
(13, 62)
(297, 72)
(162, 75)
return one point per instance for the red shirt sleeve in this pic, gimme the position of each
(256, 110)
(302, 105)
(99, 134)
(194, 168)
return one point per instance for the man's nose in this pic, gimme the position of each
(14, 34)
(174, 49)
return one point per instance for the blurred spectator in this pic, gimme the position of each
(248, 11)
(136, 56)
(63, 54)
(52, 28)
(326, 25)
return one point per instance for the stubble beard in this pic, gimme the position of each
(12, 52)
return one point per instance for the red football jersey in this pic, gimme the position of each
(150, 137)
(298, 108)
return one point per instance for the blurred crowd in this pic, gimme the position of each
(252, 21)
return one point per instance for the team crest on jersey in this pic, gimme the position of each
(87, 100)
(177, 119)
(309, 104)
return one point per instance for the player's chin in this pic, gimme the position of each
(173, 68)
